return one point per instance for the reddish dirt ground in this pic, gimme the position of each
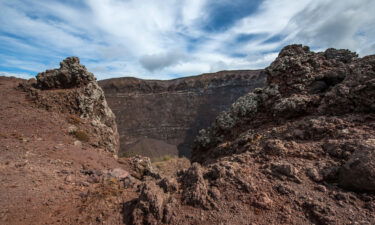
(42, 171)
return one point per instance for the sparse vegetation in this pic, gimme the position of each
(81, 135)
(75, 120)
(163, 158)
(171, 164)
(108, 188)
(127, 154)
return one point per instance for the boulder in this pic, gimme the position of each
(358, 173)
(119, 173)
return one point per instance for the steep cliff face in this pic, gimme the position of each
(174, 110)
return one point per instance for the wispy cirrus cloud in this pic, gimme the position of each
(172, 38)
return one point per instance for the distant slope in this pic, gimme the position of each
(174, 110)
(150, 147)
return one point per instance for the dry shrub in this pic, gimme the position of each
(127, 154)
(163, 158)
(75, 120)
(81, 135)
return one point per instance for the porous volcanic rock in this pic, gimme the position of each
(301, 83)
(298, 151)
(70, 75)
(172, 111)
(358, 173)
(72, 89)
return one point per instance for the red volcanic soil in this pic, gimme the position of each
(47, 177)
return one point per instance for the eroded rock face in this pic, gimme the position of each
(173, 111)
(72, 89)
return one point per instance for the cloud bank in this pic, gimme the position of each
(172, 38)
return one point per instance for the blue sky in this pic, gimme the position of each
(166, 39)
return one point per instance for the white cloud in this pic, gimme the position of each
(18, 75)
(339, 24)
(160, 40)
(159, 61)
(192, 11)
(272, 17)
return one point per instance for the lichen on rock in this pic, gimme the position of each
(74, 90)
(300, 83)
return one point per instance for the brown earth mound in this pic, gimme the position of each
(49, 174)
(58, 151)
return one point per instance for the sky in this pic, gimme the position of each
(165, 39)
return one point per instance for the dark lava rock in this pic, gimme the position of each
(152, 206)
(195, 187)
(342, 55)
(70, 74)
(358, 173)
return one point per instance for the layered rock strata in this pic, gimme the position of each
(173, 111)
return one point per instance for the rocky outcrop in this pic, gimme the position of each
(173, 111)
(72, 89)
(301, 83)
(70, 75)
(298, 151)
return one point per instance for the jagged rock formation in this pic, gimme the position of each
(173, 111)
(72, 89)
(301, 83)
(70, 75)
(298, 151)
